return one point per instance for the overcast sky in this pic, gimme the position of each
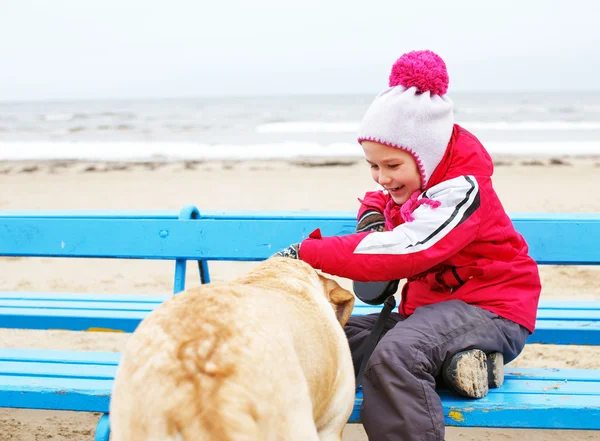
(77, 49)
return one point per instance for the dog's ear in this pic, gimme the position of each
(341, 299)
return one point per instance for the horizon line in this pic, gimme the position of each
(276, 95)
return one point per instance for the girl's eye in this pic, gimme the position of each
(373, 166)
(393, 165)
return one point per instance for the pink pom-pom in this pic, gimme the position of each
(423, 69)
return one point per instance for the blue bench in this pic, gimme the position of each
(82, 381)
(558, 322)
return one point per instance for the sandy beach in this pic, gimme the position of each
(523, 184)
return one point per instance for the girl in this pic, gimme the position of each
(471, 292)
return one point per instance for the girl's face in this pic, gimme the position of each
(393, 169)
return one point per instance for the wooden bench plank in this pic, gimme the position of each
(584, 305)
(570, 312)
(57, 393)
(89, 214)
(530, 384)
(548, 240)
(56, 356)
(83, 297)
(113, 358)
(497, 409)
(70, 370)
(550, 398)
(582, 332)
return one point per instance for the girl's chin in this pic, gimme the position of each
(399, 199)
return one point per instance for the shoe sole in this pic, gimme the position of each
(469, 375)
(495, 368)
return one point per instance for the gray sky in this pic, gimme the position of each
(71, 49)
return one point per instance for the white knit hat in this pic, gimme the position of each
(414, 114)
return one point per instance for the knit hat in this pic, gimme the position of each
(413, 114)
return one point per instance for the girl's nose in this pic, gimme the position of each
(383, 178)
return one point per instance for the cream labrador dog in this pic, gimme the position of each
(261, 358)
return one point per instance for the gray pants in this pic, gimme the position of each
(399, 398)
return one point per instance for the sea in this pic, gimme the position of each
(280, 127)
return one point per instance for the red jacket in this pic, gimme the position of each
(466, 248)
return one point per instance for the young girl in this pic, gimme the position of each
(472, 290)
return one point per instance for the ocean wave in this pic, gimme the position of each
(308, 127)
(531, 125)
(173, 151)
(57, 117)
(296, 127)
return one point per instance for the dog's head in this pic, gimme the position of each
(341, 299)
(294, 275)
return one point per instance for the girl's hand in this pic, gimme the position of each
(292, 251)
(370, 220)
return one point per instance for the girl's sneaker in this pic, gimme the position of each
(471, 373)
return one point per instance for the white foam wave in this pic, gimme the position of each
(171, 151)
(352, 127)
(57, 117)
(308, 127)
(531, 125)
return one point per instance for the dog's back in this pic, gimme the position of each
(221, 362)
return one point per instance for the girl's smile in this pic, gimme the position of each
(394, 169)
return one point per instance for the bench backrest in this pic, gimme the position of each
(560, 238)
(567, 239)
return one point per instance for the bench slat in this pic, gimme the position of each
(86, 297)
(55, 393)
(516, 410)
(203, 238)
(159, 298)
(55, 356)
(547, 331)
(531, 384)
(113, 358)
(502, 407)
(572, 313)
(89, 214)
(40, 369)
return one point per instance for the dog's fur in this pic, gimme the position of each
(262, 358)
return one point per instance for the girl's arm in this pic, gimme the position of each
(433, 236)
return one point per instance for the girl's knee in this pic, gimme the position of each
(393, 355)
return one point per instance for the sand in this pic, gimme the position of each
(523, 184)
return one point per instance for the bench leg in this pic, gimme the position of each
(102, 429)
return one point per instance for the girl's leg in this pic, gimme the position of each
(400, 402)
(357, 331)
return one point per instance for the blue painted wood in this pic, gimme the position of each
(544, 305)
(84, 297)
(552, 374)
(81, 305)
(253, 214)
(550, 242)
(102, 428)
(542, 398)
(82, 320)
(113, 317)
(113, 359)
(48, 369)
(534, 411)
(571, 312)
(566, 333)
(179, 278)
(60, 393)
(530, 398)
(59, 357)
(543, 314)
